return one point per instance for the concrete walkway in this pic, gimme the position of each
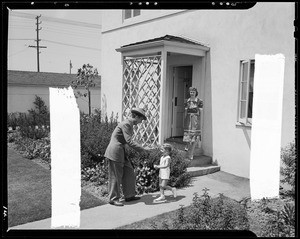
(111, 217)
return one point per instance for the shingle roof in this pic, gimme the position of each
(166, 38)
(42, 78)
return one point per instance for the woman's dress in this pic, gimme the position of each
(192, 129)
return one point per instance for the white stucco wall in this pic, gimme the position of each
(232, 35)
(21, 98)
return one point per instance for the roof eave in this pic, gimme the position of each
(160, 43)
(140, 46)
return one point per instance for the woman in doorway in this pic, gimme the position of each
(192, 123)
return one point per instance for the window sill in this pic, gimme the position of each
(239, 124)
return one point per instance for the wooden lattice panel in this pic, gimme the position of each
(141, 88)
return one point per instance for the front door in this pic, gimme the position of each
(182, 80)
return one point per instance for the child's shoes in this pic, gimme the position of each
(160, 199)
(174, 192)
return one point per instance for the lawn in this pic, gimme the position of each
(29, 191)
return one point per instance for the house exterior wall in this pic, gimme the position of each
(232, 35)
(21, 98)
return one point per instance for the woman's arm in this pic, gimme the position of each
(200, 103)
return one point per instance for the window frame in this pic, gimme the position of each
(244, 120)
(132, 12)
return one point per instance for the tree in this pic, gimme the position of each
(85, 78)
(40, 114)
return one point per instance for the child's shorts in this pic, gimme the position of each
(164, 173)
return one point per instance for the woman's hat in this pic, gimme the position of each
(139, 112)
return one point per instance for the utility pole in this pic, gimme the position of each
(37, 42)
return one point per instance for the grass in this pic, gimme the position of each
(29, 191)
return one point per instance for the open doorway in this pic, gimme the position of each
(182, 80)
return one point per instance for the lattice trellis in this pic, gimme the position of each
(141, 88)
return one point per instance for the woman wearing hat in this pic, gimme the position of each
(120, 169)
(192, 129)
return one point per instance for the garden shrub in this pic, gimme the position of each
(32, 149)
(40, 114)
(97, 174)
(95, 136)
(14, 136)
(147, 176)
(34, 124)
(288, 170)
(275, 217)
(25, 146)
(272, 217)
(12, 120)
(43, 149)
(34, 132)
(206, 213)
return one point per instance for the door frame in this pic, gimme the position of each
(172, 90)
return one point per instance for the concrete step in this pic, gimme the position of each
(199, 161)
(200, 165)
(203, 170)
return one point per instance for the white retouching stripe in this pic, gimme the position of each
(65, 158)
(266, 126)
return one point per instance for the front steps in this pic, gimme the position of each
(200, 165)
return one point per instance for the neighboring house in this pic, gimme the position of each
(151, 57)
(24, 85)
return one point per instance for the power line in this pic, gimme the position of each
(71, 31)
(16, 39)
(72, 34)
(61, 43)
(20, 26)
(17, 52)
(62, 28)
(57, 52)
(59, 20)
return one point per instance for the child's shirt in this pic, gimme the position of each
(164, 173)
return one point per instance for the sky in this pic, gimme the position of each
(69, 35)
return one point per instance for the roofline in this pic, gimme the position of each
(142, 45)
(160, 43)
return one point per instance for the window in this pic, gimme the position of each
(128, 13)
(246, 83)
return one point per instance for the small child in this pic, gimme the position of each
(164, 172)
